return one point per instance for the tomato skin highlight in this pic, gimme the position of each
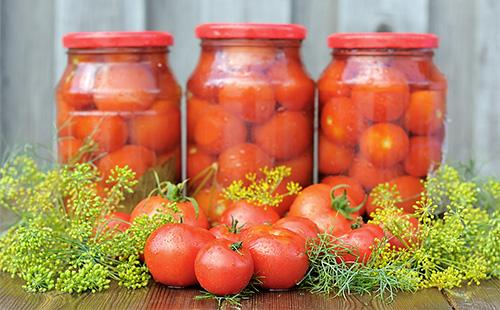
(300, 225)
(222, 271)
(279, 256)
(248, 214)
(170, 253)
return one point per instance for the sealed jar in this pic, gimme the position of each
(382, 107)
(250, 104)
(118, 104)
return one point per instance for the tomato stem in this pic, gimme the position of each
(341, 204)
(236, 246)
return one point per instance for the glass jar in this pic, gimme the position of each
(250, 104)
(118, 104)
(382, 108)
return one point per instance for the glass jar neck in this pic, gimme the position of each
(344, 52)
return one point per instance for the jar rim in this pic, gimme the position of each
(250, 31)
(117, 39)
(362, 40)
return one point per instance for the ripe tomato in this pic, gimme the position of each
(239, 160)
(360, 243)
(212, 202)
(68, 148)
(301, 166)
(330, 83)
(341, 121)
(416, 72)
(333, 158)
(248, 214)
(201, 84)
(229, 232)
(246, 59)
(426, 112)
(249, 98)
(217, 130)
(353, 187)
(410, 235)
(197, 161)
(119, 221)
(167, 85)
(158, 128)
(170, 253)
(300, 225)
(384, 144)
(287, 134)
(368, 175)
(383, 95)
(109, 132)
(77, 86)
(223, 267)
(283, 207)
(279, 255)
(293, 88)
(424, 156)
(157, 204)
(196, 108)
(138, 158)
(315, 203)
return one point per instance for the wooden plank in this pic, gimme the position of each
(384, 15)
(485, 296)
(27, 72)
(424, 299)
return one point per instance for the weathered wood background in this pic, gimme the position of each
(32, 56)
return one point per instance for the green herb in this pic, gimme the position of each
(233, 300)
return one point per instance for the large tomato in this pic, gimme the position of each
(248, 214)
(300, 225)
(279, 255)
(170, 253)
(232, 233)
(350, 185)
(360, 242)
(223, 267)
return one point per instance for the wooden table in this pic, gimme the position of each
(12, 296)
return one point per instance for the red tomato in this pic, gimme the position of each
(383, 95)
(212, 202)
(411, 235)
(246, 59)
(352, 187)
(249, 98)
(287, 201)
(360, 243)
(424, 156)
(315, 203)
(330, 83)
(117, 221)
(279, 256)
(168, 87)
(239, 160)
(158, 128)
(223, 267)
(300, 225)
(157, 204)
(302, 168)
(68, 148)
(369, 175)
(293, 88)
(196, 108)
(333, 158)
(287, 134)
(170, 253)
(426, 112)
(416, 72)
(384, 144)
(64, 120)
(341, 121)
(248, 214)
(217, 130)
(124, 87)
(200, 84)
(197, 161)
(138, 158)
(109, 132)
(228, 232)
(77, 87)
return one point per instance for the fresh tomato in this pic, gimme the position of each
(138, 158)
(333, 158)
(410, 234)
(382, 93)
(217, 130)
(77, 86)
(351, 186)
(239, 160)
(248, 214)
(286, 135)
(360, 242)
(170, 253)
(124, 87)
(157, 204)
(200, 84)
(384, 144)
(279, 255)
(68, 148)
(293, 88)
(302, 168)
(300, 225)
(426, 112)
(169, 89)
(230, 232)
(330, 83)
(249, 98)
(223, 267)
(341, 121)
(212, 202)
(315, 203)
(424, 156)
(109, 132)
(416, 72)
(368, 175)
(197, 162)
(158, 128)
(196, 108)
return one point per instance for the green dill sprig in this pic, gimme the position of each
(233, 300)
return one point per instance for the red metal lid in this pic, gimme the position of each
(117, 39)
(383, 40)
(250, 31)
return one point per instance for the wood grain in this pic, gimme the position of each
(484, 296)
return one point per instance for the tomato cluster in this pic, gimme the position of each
(123, 105)
(382, 119)
(249, 106)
